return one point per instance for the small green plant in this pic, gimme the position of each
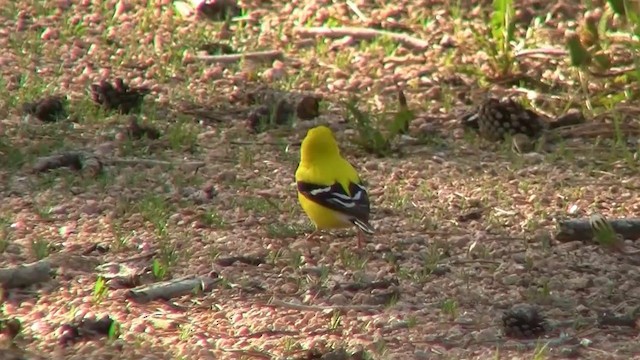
(502, 31)
(183, 137)
(159, 269)
(380, 347)
(372, 136)
(282, 230)
(156, 210)
(432, 256)
(450, 308)
(273, 256)
(290, 345)
(5, 234)
(411, 321)
(40, 248)
(185, 332)
(213, 219)
(100, 289)
(603, 232)
(350, 260)
(541, 351)
(296, 260)
(114, 331)
(336, 320)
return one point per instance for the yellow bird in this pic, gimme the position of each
(329, 188)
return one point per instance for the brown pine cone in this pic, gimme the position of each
(118, 96)
(523, 321)
(47, 109)
(496, 118)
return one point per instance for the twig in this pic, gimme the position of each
(580, 229)
(253, 354)
(607, 319)
(613, 72)
(25, 275)
(153, 162)
(363, 34)
(266, 56)
(301, 307)
(552, 342)
(173, 288)
(270, 143)
(546, 52)
(357, 11)
(471, 261)
(139, 257)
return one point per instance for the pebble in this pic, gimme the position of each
(338, 299)
(511, 279)
(485, 335)
(579, 283)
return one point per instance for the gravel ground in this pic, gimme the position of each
(465, 227)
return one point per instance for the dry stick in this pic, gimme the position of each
(530, 343)
(580, 229)
(173, 288)
(152, 162)
(25, 275)
(542, 51)
(357, 11)
(613, 72)
(253, 354)
(363, 34)
(472, 261)
(301, 307)
(139, 257)
(268, 55)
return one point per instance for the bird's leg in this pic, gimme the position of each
(360, 239)
(311, 237)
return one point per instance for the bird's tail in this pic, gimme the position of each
(364, 226)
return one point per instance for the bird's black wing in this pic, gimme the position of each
(334, 197)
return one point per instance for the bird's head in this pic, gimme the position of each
(319, 143)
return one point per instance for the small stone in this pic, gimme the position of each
(91, 207)
(511, 279)
(520, 258)
(581, 309)
(227, 176)
(447, 41)
(338, 299)
(601, 281)
(461, 241)
(421, 355)
(59, 209)
(579, 283)
(485, 335)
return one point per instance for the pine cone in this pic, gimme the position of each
(47, 109)
(523, 321)
(118, 96)
(496, 118)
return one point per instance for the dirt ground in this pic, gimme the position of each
(465, 227)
